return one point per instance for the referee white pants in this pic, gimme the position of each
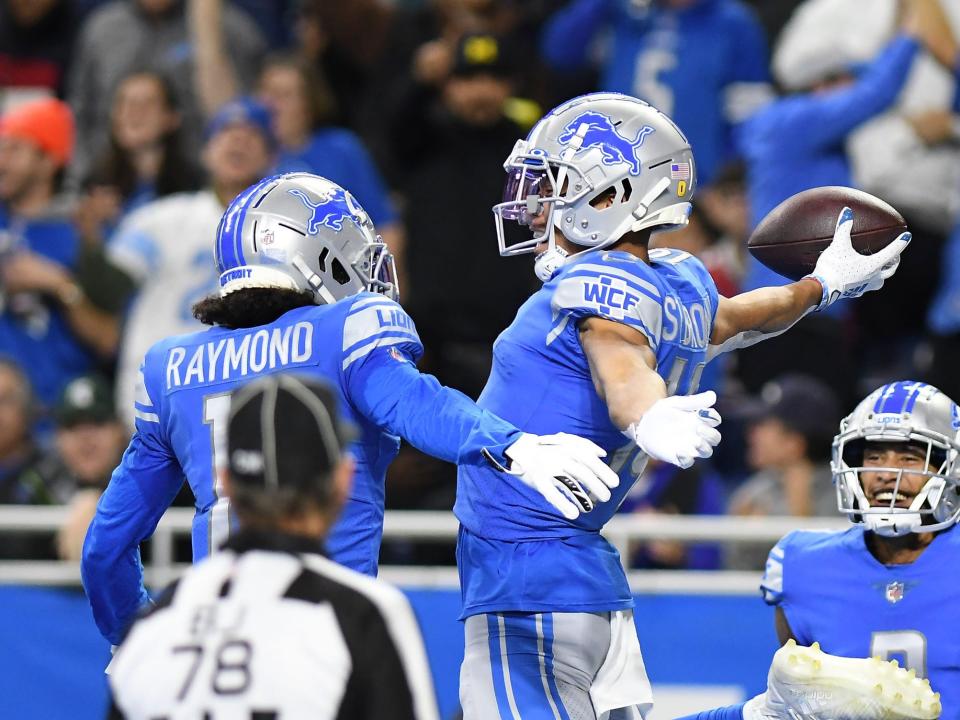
(553, 666)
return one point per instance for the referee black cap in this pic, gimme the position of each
(285, 431)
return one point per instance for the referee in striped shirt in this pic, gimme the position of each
(269, 628)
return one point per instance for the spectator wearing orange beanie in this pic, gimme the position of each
(46, 123)
(47, 320)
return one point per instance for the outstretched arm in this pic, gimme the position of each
(841, 272)
(676, 429)
(762, 313)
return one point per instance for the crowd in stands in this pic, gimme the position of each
(126, 126)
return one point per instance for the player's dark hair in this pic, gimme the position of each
(250, 307)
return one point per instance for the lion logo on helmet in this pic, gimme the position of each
(333, 208)
(601, 133)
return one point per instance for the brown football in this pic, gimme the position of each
(791, 237)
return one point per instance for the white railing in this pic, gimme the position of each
(434, 526)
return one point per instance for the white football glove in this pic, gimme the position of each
(678, 429)
(565, 469)
(845, 273)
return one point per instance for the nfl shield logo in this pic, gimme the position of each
(894, 592)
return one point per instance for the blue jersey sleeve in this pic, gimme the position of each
(771, 585)
(620, 290)
(380, 346)
(140, 490)
(817, 121)
(785, 573)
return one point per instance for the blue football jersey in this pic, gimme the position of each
(514, 551)
(833, 591)
(364, 347)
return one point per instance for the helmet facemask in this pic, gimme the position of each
(936, 505)
(531, 189)
(602, 146)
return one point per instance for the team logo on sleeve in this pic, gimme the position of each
(334, 207)
(601, 133)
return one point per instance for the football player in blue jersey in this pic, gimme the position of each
(611, 348)
(884, 588)
(305, 285)
(879, 589)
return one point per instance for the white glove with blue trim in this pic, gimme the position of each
(843, 272)
(678, 429)
(565, 469)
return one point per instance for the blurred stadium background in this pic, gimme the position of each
(116, 163)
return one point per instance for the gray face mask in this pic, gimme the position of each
(600, 145)
(901, 412)
(302, 232)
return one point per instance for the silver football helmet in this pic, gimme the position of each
(590, 147)
(302, 232)
(901, 412)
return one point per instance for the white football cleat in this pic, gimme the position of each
(805, 683)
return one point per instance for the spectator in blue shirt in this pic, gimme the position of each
(702, 62)
(797, 142)
(302, 107)
(46, 319)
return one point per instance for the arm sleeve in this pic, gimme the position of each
(133, 248)
(619, 291)
(771, 585)
(139, 492)
(568, 34)
(380, 345)
(819, 121)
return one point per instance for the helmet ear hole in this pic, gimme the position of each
(322, 260)
(339, 272)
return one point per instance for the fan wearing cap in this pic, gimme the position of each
(788, 440)
(307, 637)
(457, 109)
(89, 441)
(164, 246)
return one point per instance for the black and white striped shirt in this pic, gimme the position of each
(269, 629)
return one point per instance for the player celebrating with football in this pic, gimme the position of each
(611, 348)
(305, 285)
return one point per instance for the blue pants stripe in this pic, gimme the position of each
(499, 686)
(548, 664)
